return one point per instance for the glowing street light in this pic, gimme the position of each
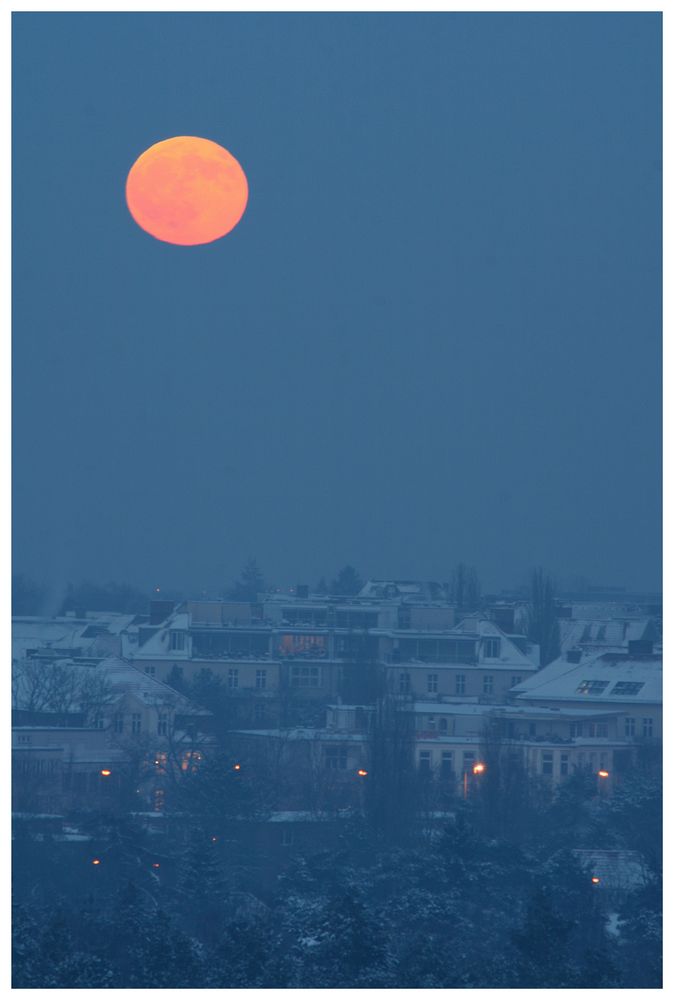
(237, 767)
(362, 773)
(105, 773)
(96, 861)
(155, 864)
(602, 774)
(479, 768)
(595, 880)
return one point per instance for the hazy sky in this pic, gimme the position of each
(434, 336)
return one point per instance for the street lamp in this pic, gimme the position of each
(105, 773)
(602, 774)
(362, 773)
(479, 768)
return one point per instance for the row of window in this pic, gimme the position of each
(404, 683)
(439, 650)
(623, 688)
(468, 759)
(233, 678)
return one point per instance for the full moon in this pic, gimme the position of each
(186, 190)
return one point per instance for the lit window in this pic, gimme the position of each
(626, 688)
(460, 684)
(492, 648)
(135, 723)
(233, 677)
(335, 758)
(488, 684)
(404, 683)
(190, 761)
(630, 726)
(432, 683)
(260, 679)
(647, 728)
(591, 687)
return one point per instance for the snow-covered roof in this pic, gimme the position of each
(509, 711)
(604, 632)
(617, 870)
(126, 678)
(615, 678)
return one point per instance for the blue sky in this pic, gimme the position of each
(435, 335)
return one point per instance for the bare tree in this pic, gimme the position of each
(465, 590)
(542, 623)
(391, 784)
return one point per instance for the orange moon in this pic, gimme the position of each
(186, 190)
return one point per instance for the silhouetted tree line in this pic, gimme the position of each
(459, 909)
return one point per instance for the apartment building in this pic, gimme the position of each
(625, 682)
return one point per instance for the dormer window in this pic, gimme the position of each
(176, 641)
(491, 649)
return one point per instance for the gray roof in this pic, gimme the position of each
(599, 678)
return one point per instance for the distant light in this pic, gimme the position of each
(602, 774)
(157, 590)
(96, 861)
(213, 839)
(362, 773)
(595, 880)
(155, 864)
(479, 768)
(106, 773)
(237, 767)
(156, 762)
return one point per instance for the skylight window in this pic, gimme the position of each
(591, 687)
(627, 687)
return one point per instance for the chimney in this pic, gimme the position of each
(640, 647)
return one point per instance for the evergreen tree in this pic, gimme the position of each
(250, 583)
(347, 583)
(202, 889)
